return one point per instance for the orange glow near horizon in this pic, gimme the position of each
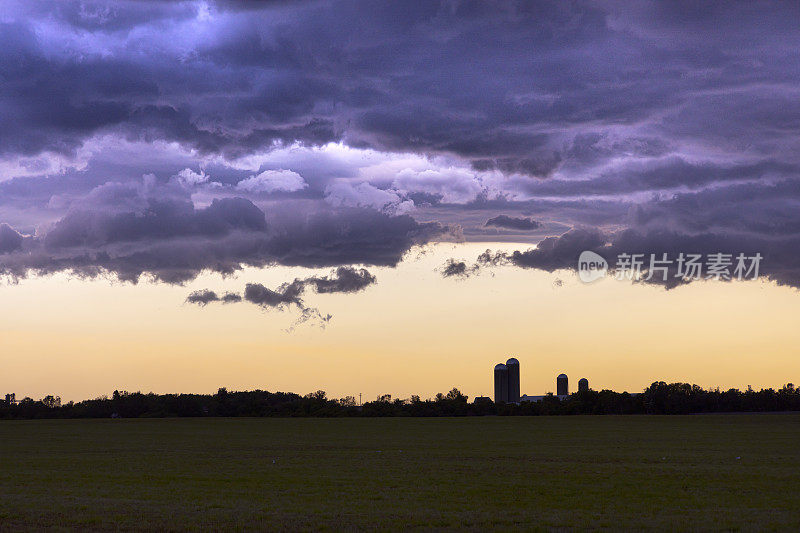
(412, 333)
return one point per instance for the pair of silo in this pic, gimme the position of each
(562, 385)
(506, 382)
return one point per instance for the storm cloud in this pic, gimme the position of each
(777, 257)
(167, 138)
(518, 223)
(227, 80)
(171, 240)
(10, 240)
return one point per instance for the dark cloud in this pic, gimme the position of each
(454, 268)
(173, 241)
(663, 174)
(518, 223)
(282, 298)
(204, 297)
(779, 259)
(361, 72)
(231, 297)
(160, 220)
(10, 240)
(344, 279)
(285, 295)
(767, 209)
(558, 252)
(674, 122)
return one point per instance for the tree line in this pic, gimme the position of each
(658, 398)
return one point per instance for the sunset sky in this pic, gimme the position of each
(299, 195)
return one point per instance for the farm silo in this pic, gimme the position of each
(500, 383)
(512, 365)
(562, 385)
(583, 385)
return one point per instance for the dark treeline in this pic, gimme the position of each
(658, 398)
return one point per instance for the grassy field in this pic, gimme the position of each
(710, 472)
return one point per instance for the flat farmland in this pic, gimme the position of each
(704, 472)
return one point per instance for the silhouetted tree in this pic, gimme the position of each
(658, 398)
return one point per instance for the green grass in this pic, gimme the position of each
(709, 472)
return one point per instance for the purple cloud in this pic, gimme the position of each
(318, 133)
(171, 240)
(517, 223)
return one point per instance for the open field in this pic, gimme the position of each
(713, 472)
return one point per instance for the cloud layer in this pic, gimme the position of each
(166, 138)
(517, 223)
(131, 231)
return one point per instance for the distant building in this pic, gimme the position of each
(513, 380)
(529, 398)
(481, 399)
(500, 383)
(583, 385)
(562, 385)
(539, 398)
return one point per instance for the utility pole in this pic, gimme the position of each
(359, 398)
